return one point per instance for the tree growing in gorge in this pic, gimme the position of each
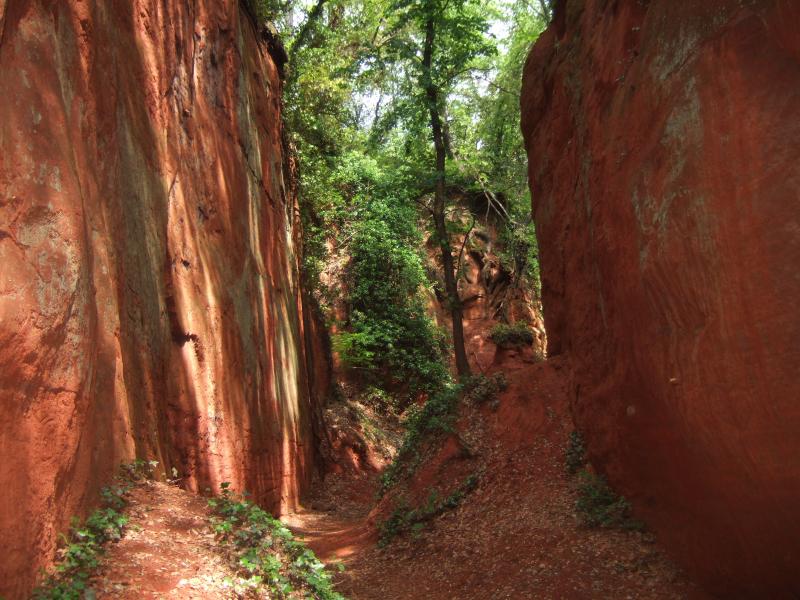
(441, 42)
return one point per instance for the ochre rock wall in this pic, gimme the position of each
(664, 146)
(149, 297)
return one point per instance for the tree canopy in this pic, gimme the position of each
(391, 105)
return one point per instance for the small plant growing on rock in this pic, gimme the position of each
(576, 453)
(515, 335)
(600, 506)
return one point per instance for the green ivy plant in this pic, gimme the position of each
(437, 415)
(511, 336)
(576, 453)
(84, 543)
(481, 389)
(600, 506)
(265, 551)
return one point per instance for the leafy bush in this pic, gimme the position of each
(599, 506)
(266, 10)
(354, 349)
(481, 389)
(266, 552)
(390, 335)
(511, 336)
(576, 453)
(378, 399)
(84, 543)
(518, 249)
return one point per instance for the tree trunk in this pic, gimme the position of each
(439, 202)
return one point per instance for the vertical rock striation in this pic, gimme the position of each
(664, 146)
(149, 295)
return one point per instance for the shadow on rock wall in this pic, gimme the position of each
(663, 140)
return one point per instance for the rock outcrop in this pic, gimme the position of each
(150, 303)
(664, 146)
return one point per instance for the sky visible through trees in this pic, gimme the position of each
(399, 110)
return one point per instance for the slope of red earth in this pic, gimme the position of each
(516, 535)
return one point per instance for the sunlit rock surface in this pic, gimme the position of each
(149, 298)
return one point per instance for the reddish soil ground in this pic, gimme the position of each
(167, 551)
(516, 536)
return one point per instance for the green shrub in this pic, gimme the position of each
(266, 552)
(512, 336)
(388, 338)
(266, 10)
(390, 335)
(481, 389)
(599, 506)
(378, 399)
(576, 453)
(353, 349)
(403, 518)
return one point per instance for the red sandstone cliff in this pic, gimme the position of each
(149, 296)
(664, 145)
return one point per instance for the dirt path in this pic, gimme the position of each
(516, 536)
(167, 550)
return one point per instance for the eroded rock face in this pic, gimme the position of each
(664, 145)
(149, 296)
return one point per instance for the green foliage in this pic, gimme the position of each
(356, 85)
(436, 416)
(267, 10)
(511, 336)
(404, 518)
(518, 247)
(460, 30)
(576, 453)
(84, 543)
(389, 336)
(599, 506)
(480, 389)
(492, 153)
(266, 552)
(358, 116)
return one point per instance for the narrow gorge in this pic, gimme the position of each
(384, 300)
